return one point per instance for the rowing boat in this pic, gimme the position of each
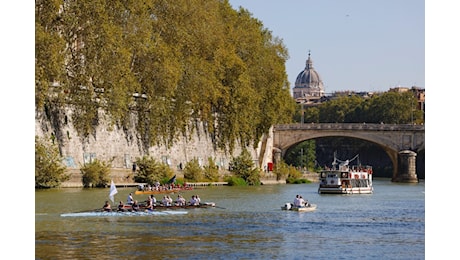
(143, 207)
(166, 191)
(125, 213)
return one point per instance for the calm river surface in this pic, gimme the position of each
(247, 223)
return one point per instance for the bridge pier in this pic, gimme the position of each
(406, 167)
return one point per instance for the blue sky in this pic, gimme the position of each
(360, 45)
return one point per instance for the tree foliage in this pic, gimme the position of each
(211, 170)
(193, 171)
(49, 169)
(243, 167)
(96, 174)
(389, 107)
(302, 155)
(170, 64)
(150, 171)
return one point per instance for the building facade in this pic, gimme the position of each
(308, 85)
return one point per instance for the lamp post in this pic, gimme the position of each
(301, 158)
(412, 113)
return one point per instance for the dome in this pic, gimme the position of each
(308, 82)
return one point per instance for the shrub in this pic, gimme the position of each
(95, 174)
(235, 181)
(243, 167)
(150, 171)
(193, 171)
(211, 171)
(49, 169)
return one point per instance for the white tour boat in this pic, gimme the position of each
(346, 179)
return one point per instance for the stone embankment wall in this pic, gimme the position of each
(122, 147)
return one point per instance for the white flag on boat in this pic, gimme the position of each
(113, 191)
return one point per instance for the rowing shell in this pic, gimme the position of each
(161, 206)
(125, 213)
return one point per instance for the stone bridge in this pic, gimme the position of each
(400, 142)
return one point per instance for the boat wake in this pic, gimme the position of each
(118, 214)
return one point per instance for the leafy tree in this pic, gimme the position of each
(302, 155)
(193, 171)
(96, 174)
(243, 167)
(389, 107)
(393, 108)
(155, 66)
(211, 170)
(311, 115)
(49, 52)
(49, 169)
(339, 110)
(150, 171)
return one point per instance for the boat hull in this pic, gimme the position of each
(148, 192)
(357, 190)
(310, 208)
(172, 207)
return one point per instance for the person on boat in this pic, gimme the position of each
(194, 201)
(135, 206)
(170, 200)
(166, 201)
(296, 202)
(180, 200)
(130, 199)
(107, 206)
(301, 202)
(121, 207)
(198, 200)
(154, 200)
(149, 204)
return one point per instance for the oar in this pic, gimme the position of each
(206, 205)
(98, 209)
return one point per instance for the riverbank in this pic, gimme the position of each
(123, 177)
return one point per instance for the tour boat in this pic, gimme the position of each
(346, 179)
(307, 208)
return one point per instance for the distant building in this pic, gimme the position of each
(308, 87)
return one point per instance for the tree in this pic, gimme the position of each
(96, 174)
(49, 169)
(155, 66)
(393, 108)
(150, 171)
(193, 171)
(211, 170)
(302, 155)
(243, 167)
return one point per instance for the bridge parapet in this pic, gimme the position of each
(350, 126)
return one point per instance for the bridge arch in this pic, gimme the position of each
(391, 153)
(395, 140)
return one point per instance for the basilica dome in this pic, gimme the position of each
(308, 83)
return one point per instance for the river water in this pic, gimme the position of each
(247, 223)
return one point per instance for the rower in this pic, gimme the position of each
(107, 206)
(130, 199)
(149, 203)
(135, 206)
(121, 207)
